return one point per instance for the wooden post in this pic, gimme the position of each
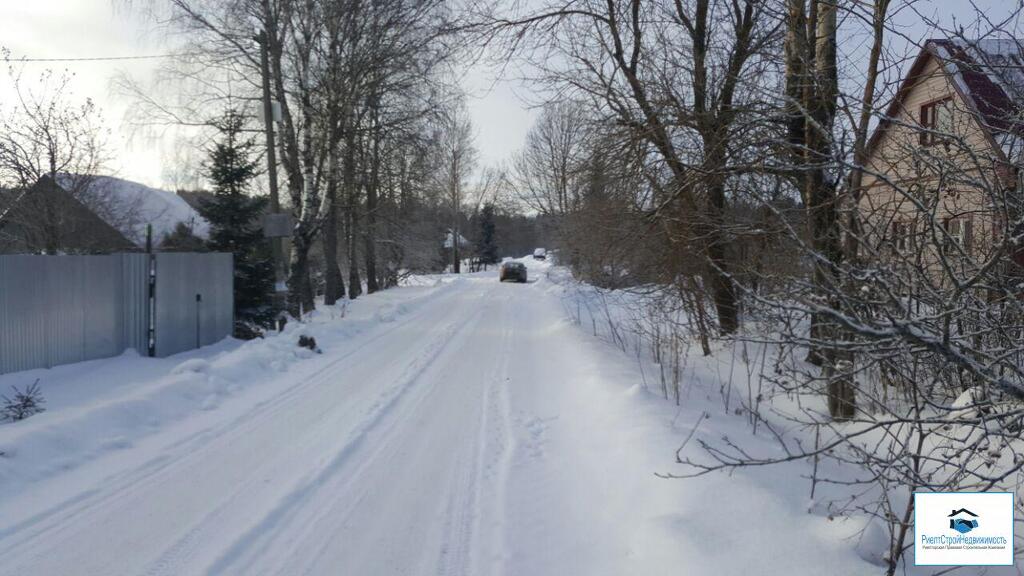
(268, 123)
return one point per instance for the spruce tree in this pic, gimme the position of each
(235, 226)
(182, 239)
(488, 244)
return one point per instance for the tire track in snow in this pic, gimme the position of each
(499, 466)
(355, 491)
(333, 534)
(465, 514)
(244, 555)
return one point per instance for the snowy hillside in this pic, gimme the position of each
(130, 207)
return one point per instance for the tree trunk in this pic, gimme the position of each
(370, 236)
(812, 92)
(300, 163)
(297, 277)
(308, 296)
(334, 284)
(355, 285)
(860, 150)
(723, 290)
(842, 398)
(456, 257)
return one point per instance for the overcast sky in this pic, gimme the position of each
(94, 28)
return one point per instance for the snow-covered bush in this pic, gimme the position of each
(22, 403)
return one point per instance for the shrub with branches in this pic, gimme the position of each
(22, 403)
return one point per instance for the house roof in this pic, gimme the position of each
(990, 74)
(48, 217)
(961, 511)
(99, 214)
(131, 207)
(989, 77)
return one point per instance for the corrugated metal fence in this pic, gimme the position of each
(60, 309)
(194, 301)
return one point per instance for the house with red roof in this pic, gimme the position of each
(942, 172)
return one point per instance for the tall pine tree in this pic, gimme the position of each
(488, 243)
(234, 218)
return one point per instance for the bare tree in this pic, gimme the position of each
(919, 316)
(45, 135)
(671, 74)
(330, 63)
(456, 161)
(549, 172)
(812, 92)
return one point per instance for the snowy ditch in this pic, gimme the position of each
(753, 420)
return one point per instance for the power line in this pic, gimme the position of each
(97, 58)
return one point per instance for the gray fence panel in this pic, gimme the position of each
(183, 322)
(61, 309)
(133, 316)
(58, 309)
(22, 334)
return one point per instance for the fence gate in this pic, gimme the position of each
(193, 299)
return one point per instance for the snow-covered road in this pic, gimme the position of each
(469, 430)
(424, 449)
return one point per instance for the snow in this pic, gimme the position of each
(130, 207)
(455, 425)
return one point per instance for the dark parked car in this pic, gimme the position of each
(512, 271)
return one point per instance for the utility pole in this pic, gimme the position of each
(268, 120)
(456, 202)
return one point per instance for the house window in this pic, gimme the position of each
(936, 121)
(902, 238)
(961, 231)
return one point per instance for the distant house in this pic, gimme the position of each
(463, 243)
(448, 241)
(942, 166)
(92, 215)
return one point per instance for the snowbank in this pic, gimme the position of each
(753, 521)
(764, 515)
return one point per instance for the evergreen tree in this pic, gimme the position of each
(182, 239)
(235, 227)
(488, 243)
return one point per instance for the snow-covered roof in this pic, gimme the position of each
(989, 74)
(130, 207)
